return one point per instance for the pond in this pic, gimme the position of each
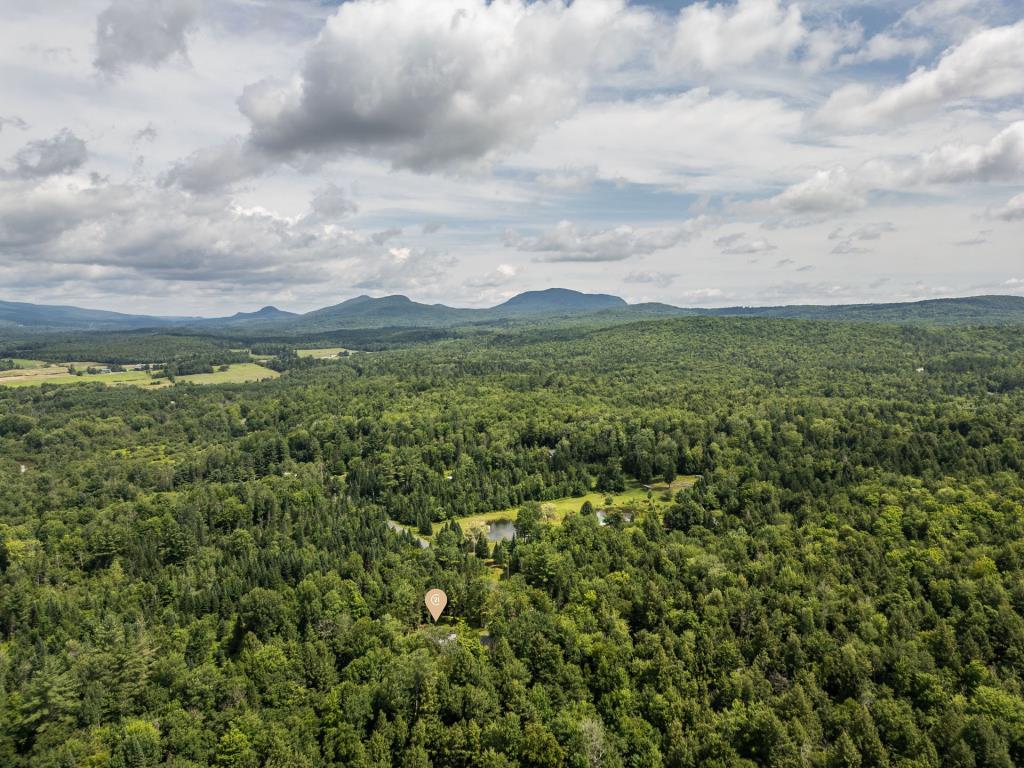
(501, 530)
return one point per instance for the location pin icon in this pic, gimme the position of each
(436, 600)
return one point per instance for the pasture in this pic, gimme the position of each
(321, 354)
(239, 373)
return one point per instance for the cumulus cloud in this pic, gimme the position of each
(838, 190)
(825, 194)
(502, 275)
(432, 85)
(987, 65)
(405, 269)
(453, 84)
(143, 32)
(62, 153)
(710, 38)
(566, 242)
(1000, 159)
(1012, 211)
(142, 233)
(743, 244)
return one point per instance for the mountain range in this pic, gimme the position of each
(553, 303)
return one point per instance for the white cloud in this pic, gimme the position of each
(883, 47)
(838, 190)
(141, 233)
(697, 140)
(824, 194)
(988, 65)
(1012, 211)
(711, 38)
(947, 15)
(143, 32)
(502, 275)
(432, 85)
(566, 242)
(1001, 158)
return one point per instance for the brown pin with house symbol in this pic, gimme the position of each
(436, 600)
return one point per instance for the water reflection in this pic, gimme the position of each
(501, 530)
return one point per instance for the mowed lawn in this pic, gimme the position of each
(239, 373)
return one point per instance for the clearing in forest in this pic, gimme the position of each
(322, 354)
(634, 498)
(238, 373)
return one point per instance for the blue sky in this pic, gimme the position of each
(208, 156)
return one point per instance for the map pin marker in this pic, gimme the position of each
(436, 600)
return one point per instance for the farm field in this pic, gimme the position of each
(321, 354)
(238, 373)
(21, 362)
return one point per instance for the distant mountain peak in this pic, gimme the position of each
(268, 312)
(559, 300)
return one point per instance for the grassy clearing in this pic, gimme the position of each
(634, 498)
(23, 362)
(321, 354)
(60, 376)
(239, 373)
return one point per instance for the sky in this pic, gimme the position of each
(191, 157)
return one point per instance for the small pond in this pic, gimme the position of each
(501, 530)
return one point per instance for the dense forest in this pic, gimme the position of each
(205, 576)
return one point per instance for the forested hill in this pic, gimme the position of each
(554, 304)
(972, 310)
(14, 314)
(827, 571)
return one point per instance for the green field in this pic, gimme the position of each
(238, 373)
(22, 362)
(321, 354)
(634, 498)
